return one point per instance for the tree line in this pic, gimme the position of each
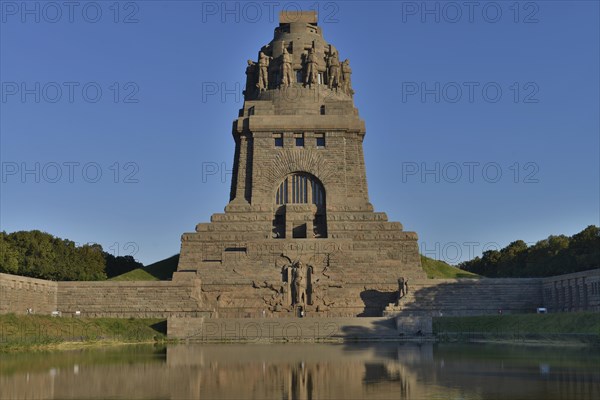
(38, 254)
(555, 255)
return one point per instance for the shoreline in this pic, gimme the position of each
(32, 333)
(69, 345)
(18, 347)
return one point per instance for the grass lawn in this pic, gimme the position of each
(28, 332)
(565, 323)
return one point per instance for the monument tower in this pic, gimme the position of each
(299, 234)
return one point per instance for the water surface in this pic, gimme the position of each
(305, 371)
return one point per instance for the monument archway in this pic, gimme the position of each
(300, 207)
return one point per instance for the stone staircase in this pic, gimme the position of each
(449, 297)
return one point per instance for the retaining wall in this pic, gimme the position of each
(161, 299)
(573, 292)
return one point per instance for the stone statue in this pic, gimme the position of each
(287, 72)
(346, 79)
(299, 283)
(402, 289)
(263, 71)
(312, 68)
(251, 78)
(333, 67)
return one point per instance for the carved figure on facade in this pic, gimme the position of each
(299, 284)
(333, 69)
(299, 280)
(346, 77)
(312, 68)
(263, 71)
(251, 78)
(287, 71)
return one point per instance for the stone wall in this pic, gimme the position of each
(143, 299)
(18, 293)
(186, 297)
(99, 299)
(573, 292)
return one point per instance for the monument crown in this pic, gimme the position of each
(298, 57)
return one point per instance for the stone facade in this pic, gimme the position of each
(573, 292)
(425, 297)
(125, 299)
(299, 195)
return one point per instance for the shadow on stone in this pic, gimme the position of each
(160, 327)
(375, 302)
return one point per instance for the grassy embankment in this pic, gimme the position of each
(37, 332)
(580, 326)
(159, 271)
(436, 269)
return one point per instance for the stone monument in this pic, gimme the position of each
(299, 230)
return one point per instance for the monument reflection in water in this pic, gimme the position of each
(306, 371)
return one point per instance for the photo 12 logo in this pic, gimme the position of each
(253, 11)
(224, 92)
(470, 92)
(69, 92)
(468, 171)
(454, 12)
(118, 249)
(455, 252)
(54, 12)
(69, 172)
(257, 330)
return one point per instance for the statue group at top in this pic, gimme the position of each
(336, 75)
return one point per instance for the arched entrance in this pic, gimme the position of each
(300, 207)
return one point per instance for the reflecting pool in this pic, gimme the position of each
(305, 371)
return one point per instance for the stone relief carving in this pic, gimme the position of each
(251, 78)
(338, 74)
(299, 280)
(333, 68)
(287, 162)
(299, 284)
(312, 68)
(263, 71)
(287, 72)
(346, 77)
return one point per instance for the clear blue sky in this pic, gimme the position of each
(541, 132)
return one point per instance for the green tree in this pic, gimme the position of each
(555, 255)
(9, 256)
(41, 255)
